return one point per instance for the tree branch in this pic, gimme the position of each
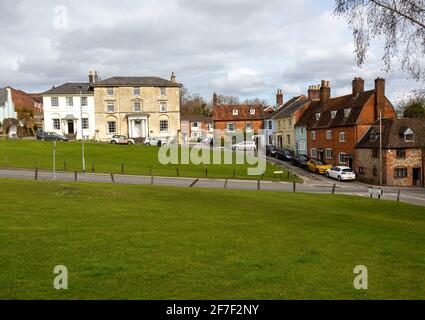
(387, 7)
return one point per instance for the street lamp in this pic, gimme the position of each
(82, 133)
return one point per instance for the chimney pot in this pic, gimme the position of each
(379, 97)
(279, 98)
(325, 91)
(173, 77)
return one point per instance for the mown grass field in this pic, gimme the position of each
(142, 242)
(137, 159)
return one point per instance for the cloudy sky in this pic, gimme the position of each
(247, 48)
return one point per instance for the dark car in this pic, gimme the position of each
(271, 151)
(284, 154)
(301, 161)
(50, 136)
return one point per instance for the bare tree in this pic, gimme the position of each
(228, 100)
(256, 101)
(400, 22)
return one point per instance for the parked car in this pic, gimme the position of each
(50, 136)
(245, 146)
(284, 154)
(154, 142)
(301, 161)
(318, 166)
(121, 140)
(271, 151)
(341, 173)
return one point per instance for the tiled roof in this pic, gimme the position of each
(289, 110)
(393, 134)
(196, 118)
(338, 104)
(70, 88)
(136, 81)
(225, 112)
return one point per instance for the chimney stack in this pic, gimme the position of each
(96, 77)
(215, 100)
(325, 91)
(279, 98)
(314, 93)
(173, 77)
(91, 77)
(379, 97)
(358, 86)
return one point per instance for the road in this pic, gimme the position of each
(313, 183)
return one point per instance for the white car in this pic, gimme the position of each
(245, 146)
(121, 140)
(341, 173)
(155, 142)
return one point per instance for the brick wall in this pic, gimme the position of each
(413, 160)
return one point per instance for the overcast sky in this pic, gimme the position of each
(247, 48)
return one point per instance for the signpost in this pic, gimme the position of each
(378, 192)
(54, 160)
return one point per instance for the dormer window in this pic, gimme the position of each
(318, 116)
(252, 111)
(333, 114)
(235, 112)
(374, 136)
(347, 112)
(409, 135)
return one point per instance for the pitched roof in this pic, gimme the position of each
(280, 109)
(225, 112)
(196, 118)
(311, 110)
(136, 81)
(70, 88)
(338, 104)
(393, 134)
(292, 106)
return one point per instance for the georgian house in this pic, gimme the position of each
(403, 153)
(138, 107)
(285, 119)
(337, 124)
(245, 117)
(62, 109)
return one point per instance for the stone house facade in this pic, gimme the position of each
(403, 153)
(138, 107)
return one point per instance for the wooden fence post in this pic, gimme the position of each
(92, 167)
(178, 172)
(333, 188)
(259, 185)
(36, 174)
(122, 168)
(112, 178)
(75, 176)
(398, 196)
(295, 187)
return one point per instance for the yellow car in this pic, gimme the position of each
(318, 166)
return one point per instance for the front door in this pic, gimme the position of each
(137, 129)
(71, 127)
(417, 176)
(350, 162)
(320, 155)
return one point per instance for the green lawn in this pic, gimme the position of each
(142, 242)
(137, 159)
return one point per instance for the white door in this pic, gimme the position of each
(137, 128)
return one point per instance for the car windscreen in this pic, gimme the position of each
(347, 170)
(319, 163)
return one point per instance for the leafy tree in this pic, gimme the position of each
(414, 108)
(400, 22)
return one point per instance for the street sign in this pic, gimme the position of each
(376, 192)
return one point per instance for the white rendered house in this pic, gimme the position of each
(62, 111)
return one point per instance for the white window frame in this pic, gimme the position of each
(56, 103)
(329, 135)
(270, 125)
(108, 126)
(235, 112)
(231, 124)
(342, 154)
(334, 114)
(329, 154)
(313, 135)
(301, 145)
(85, 124)
(110, 92)
(162, 126)
(109, 104)
(252, 112)
(251, 127)
(314, 153)
(347, 112)
(56, 124)
(139, 108)
(136, 91)
(163, 91)
(318, 115)
(342, 137)
(84, 101)
(69, 101)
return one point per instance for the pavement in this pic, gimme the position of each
(312, 183)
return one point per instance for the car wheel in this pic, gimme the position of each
(327, 175)
(339, 179)
(113, 142)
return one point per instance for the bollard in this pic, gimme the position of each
(295, 187)
(206, 172)
(398, 196)
(151, 180)
(112, 178)
(177, 172)
(75, 176)
(333, 188)
(122, 168)
(259, 185)
(92, 167)
(36, 174)
(288, 174)
(225, 184)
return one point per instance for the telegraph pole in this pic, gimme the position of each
(381, 174)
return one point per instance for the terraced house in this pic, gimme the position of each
(337, 124)
(138, 107)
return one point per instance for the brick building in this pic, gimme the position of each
(337, 124)
(229, 118)
(196, 127)
(403, 153)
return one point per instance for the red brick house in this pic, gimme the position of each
(403, 153)
(337, 124)
(195, 127)
(229, 118)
